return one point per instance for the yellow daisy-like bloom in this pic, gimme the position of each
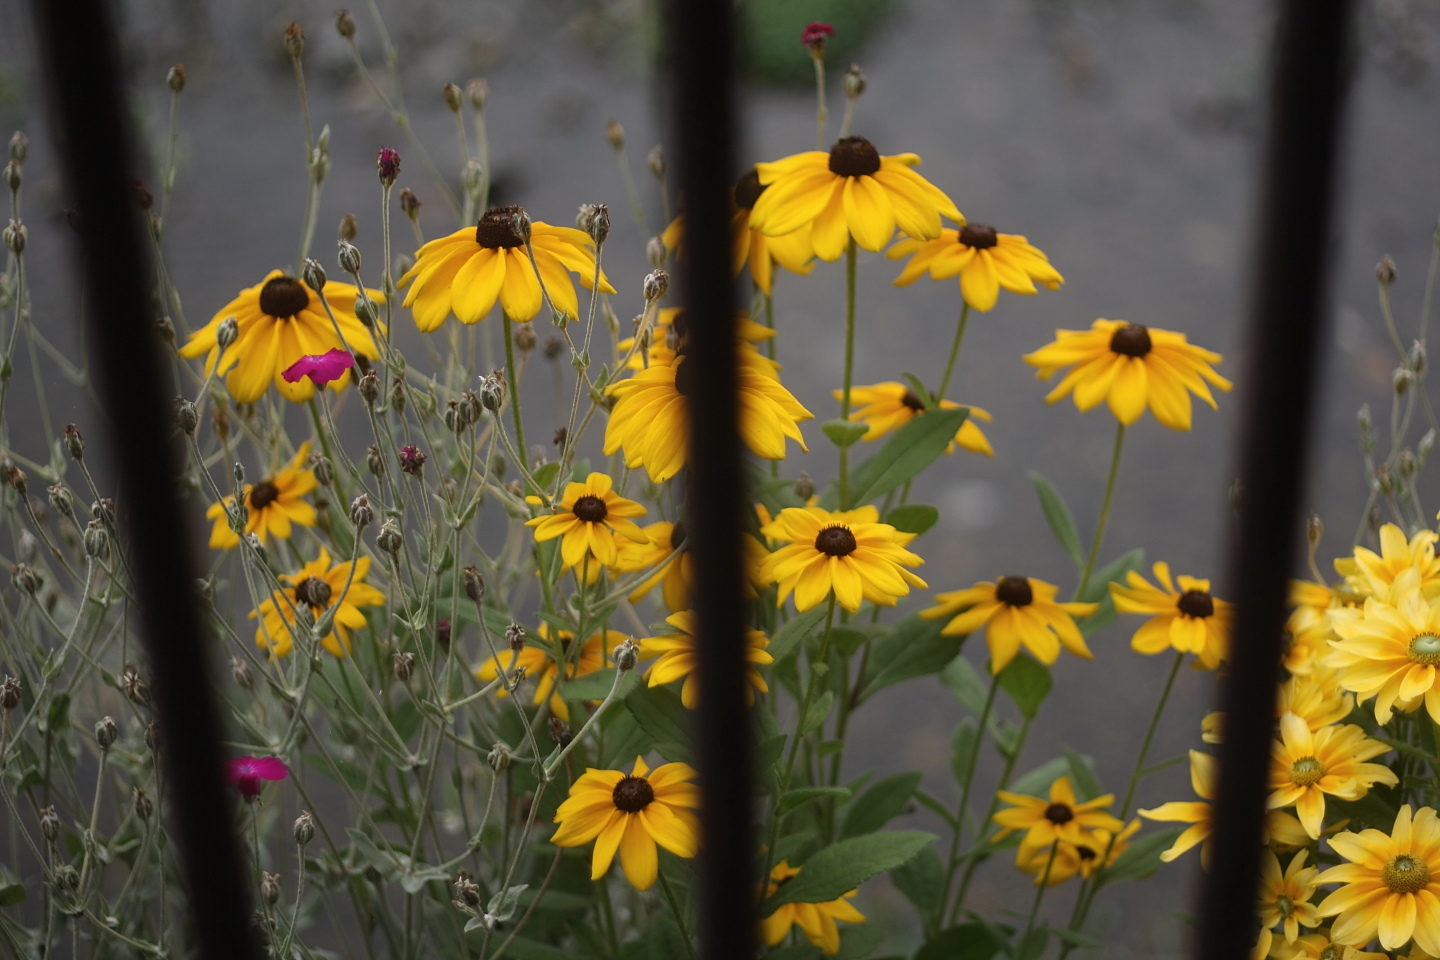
(651, 418)
(1319, 946)
(319, 585)
(540, 667)
(281, 320)
(1307, 765)
(885, 407)
(466, 272)
(588, 519)
(1317, 698)
(675, 657)
(273, 505)
(670, 334)
(851, 191)
(1389, 651)
(1130, 367)
(850, 552)
(1368, 573)
(984, 260)
(1284, 833)
(1203, 772)
(1015, 611)
(1188, 620)
(676, 577)
(1058, 818)
(1070, 859)
(816, 920)
(630, 815)
(1391, 884)
(1285, 898)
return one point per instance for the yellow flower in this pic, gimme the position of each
(630, 815)
(1189, 619)
(466, 272)
(1370, 574)
(588, 519)
(674, 580)
(1319, 946)
(1318, 698)
(675, 657)
(851, 191)
(1130, 366)
(851, 552)
(319, 586)
(541, 669)
(816, 920)
(670, 334)
(984, 260)
(1284, 833)
(1285, 898)
(1015, 611)
(273, 505)
(1058, 818)
(1390, 884)
(1070, 859)
(1203, 771)
(281, 320)
(889, 406)
(1390, 650)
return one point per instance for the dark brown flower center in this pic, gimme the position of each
(589, 508)
(1085, 853)
(911, 400)
(1014, 592)
(263, 494)
(748, 189)
(1196, 603)
(1058, 813)
(313, 592)
(1131, 340)
(978, 236)
(496, 228)
(1405, 873)
(283, 297)
(854, 157)
(684, 377)
(633, 794)
(677, 536)
(835, 541)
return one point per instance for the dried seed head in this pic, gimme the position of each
(594, 220)
(453, 98)
(1385, 271)
(854, 82)
(615, 134)
(626, 655)
(525, 339)
(478, 92)
(241, 673)
(15, 236)
(26, 579)
(474, 585)
(655, 160)
(804, 486)
(304, 828)
(134, 686)
(74, 443)
(97, 541)
(404, 666)
(560, 733)
(186, 416)
(515, 637)
(9, 693)
(361, 513)
(270, 888)
(16, 478)
(412, 461)
(106, 732)
(345, 24)
(498, 758)
(656, 283)
(140, 800)
(390, 539)
(655, 252)
(466, 892)
(313, 593)
(409, 203)
(349, 227)
(493, 389)
(49, 824)
(374, 460)
(294, 40)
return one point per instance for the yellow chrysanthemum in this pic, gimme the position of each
(674, 579)
(815, 920)
(1392, 884)
(541, 669)
(466, 272)
(888, 406)
(588, 519)
(1188, 620)
(1317, 698)
(1070, 859)
(1389, 651)
(1285, 897)
(1130, 367)
(850, 552)
(1015, 611)
(630, 815)
(1058, 818)
(319, 585)
(281, 320)
(851, 191)
(984, 260)
(273, 505)
(1307, 765)
(670, 334)
(675, 657)
(1368, 573)
(1203, 771)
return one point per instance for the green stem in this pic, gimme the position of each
(822, 115)
(849, 368)
(514, 388)
(972, 857)
(1039, 895)
(965, 792)
(679, 917)
(1104, 512)
(954, 350)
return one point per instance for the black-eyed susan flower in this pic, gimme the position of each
(984, 260)
(540, 666)
(1368, 573)
(1188, 620)
(630, 815)
(280, 320)
(1389, 651)
(1130, 367)
(851, 191)
(674, 578)
(588, 519)
(1285, 897)
(466, 272)
(1391, 884)
(1306, 765)
(1058, 818)
(670, 334)
(1319, 946)
(675, 658)
(318, 586)
(274, 505)
(849, 552)
(1015, 612)
(1070, 859)
(816, 920)
(1203, 775)
(886, 407)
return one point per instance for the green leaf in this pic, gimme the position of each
(523, 948)
(921, 881)
(843, 866)
(969, 941)
(1142, 857)
(881, 803)
(921, 391)
(913, 518)
(1077, 940)
(844, 433)
(545, 476)
(909, 450)
(1028, 683)
(797, 798)
(11, 894)
(502, 905)
(378, 859)
(1082, 775)
(846, 640)
(1098, 591)
(963, 746)
(817, 712)
(911, 648)
(796, 629)
(1062, 524)
(661, 715)
(596, 686)
(966, 684)
(857, 943)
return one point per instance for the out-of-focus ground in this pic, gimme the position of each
(1121, 137)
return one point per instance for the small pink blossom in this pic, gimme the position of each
(387, 163)
(247, 772)
(320, 367)
(815, 34)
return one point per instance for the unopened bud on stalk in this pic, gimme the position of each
(16, 478)
(257, 549)
(304, 828)
(470, 408)
(1384, 480)
(370, 388)
(345, 24)
(390, 539)
(175, 78)
(498, 758)
(241, 673)
(166, 328)
(186, 416)
(554, 346)
(361, 513)
(14, 175)
(478, 92)
(615, 134)
(74, 443)
(474, 177)
(474, 584)
(61, 501)
(655, 160)
(26, 579)
(204, 589)
(103, 510)
(19, 147)
(492, 391)
(453, 98)
(1406, 465)
(804, 486)
(626, 655)
(656, 283)
(854, 82)
(655, 252)
(397, 394)
(349, 227)
(314, 275)
(443, 634)
(365, 310)
(1402, 380)
(140, 800)
(97, 541)
(404, 665)
(294, 40)
(10, 693)
(67, 877)
(409, 203)
(560, 733)
(467, 893)
(375, 462)
(15, 237)
(349, 257)
(1426, 444)
(387, 165)
(1416, 360)
(270, 888)
(106, 732)
(594, 220)
(134, 686)
(515, 637)
(1385, 271)
(323, 469)
(227, 333)
(49, 824)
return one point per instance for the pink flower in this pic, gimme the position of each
(247, 772)
(320, 367)
(387, 163)
(815, 34)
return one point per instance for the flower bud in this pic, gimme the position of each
(370, 388)
(515, 637)
(655, 160)
(345, 24)
(1426, 444)
(498, 758)
(134, 686)
(478, 92)
(655, 252)
(294, 40)
(9, 693)
(397, 393)
(474, 584)
(61, 501)
(15, 236)
(525, 339)
(175, 78)
(314, 275)
(19, 147)
(390, 539)
(361, 513)
(404, 665)
(553, 347)
(323, 469)
(474, 178)
(67, 877)
(1362, 417)
(560, 733)
(49, 824)
(349, 258)
(375, 462)
(187, 418)
(493, 390)
(453, 98)
(1402, 379)
(349, 227)
(140, 800)
(804, 486)
(16, 478)
(257, 549)
(365, 310)
(227, 333)
(1385, 271)
(467, 893)
(656, 283)
(854, 82)
(313, 592)
(74, 443)
(412, 461)
(1416, 360)
(304, 828)
(103, 510)
(270, 888)
(443, 633)
(387, 165)
(626, 655)
(1406, 465)
(14, 175)
(241, 673)
(26, 579)
(409, 203)
(106, 732)
(615, 134)
(1384, 479)
(97, 541)
(594, 220)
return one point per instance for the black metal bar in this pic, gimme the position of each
(1287, 318)
(88, 110)
(701, 54)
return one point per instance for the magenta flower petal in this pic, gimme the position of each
(247, 772)
(321, 368)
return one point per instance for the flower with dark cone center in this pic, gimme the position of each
(912, 401)
(1058, 813)
(1131, 340)
(633, 794)
(263, 494)
(748, 189)
(283, 297)
(977, 236)
(677, 536)
(496, 229)
(684, 377)
(1307, 771)
(590, 509)
(313, 592)
(1085, 853)
(854, 157)
(1405, 873)
(1014, 592)
(1196, 603)
(1425, 649)
(835, 541)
